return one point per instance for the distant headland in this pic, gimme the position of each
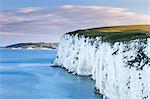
(33, 46)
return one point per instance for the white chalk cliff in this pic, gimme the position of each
(120, 70)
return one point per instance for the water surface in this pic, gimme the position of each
(26, 74)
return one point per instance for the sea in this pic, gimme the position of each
(27, 74)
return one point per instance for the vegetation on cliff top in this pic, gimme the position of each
(116, 33)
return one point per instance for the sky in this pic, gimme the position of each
(47, 20)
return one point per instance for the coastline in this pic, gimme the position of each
(27, 49)
(100, 62)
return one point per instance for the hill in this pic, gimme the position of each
(40, 45)
(116, 33)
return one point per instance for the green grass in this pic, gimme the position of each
(116, 33)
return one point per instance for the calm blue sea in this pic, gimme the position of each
(26, 74)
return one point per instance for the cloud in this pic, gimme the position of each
(11, 33)
(119, 15)
(61, 19)
(28, 10)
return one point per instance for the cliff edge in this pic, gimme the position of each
(117, 58)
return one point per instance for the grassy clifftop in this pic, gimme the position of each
(116, 33)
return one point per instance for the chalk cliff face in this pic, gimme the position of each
(120, 70)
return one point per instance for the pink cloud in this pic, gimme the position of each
(28, 9)
(67, 18)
